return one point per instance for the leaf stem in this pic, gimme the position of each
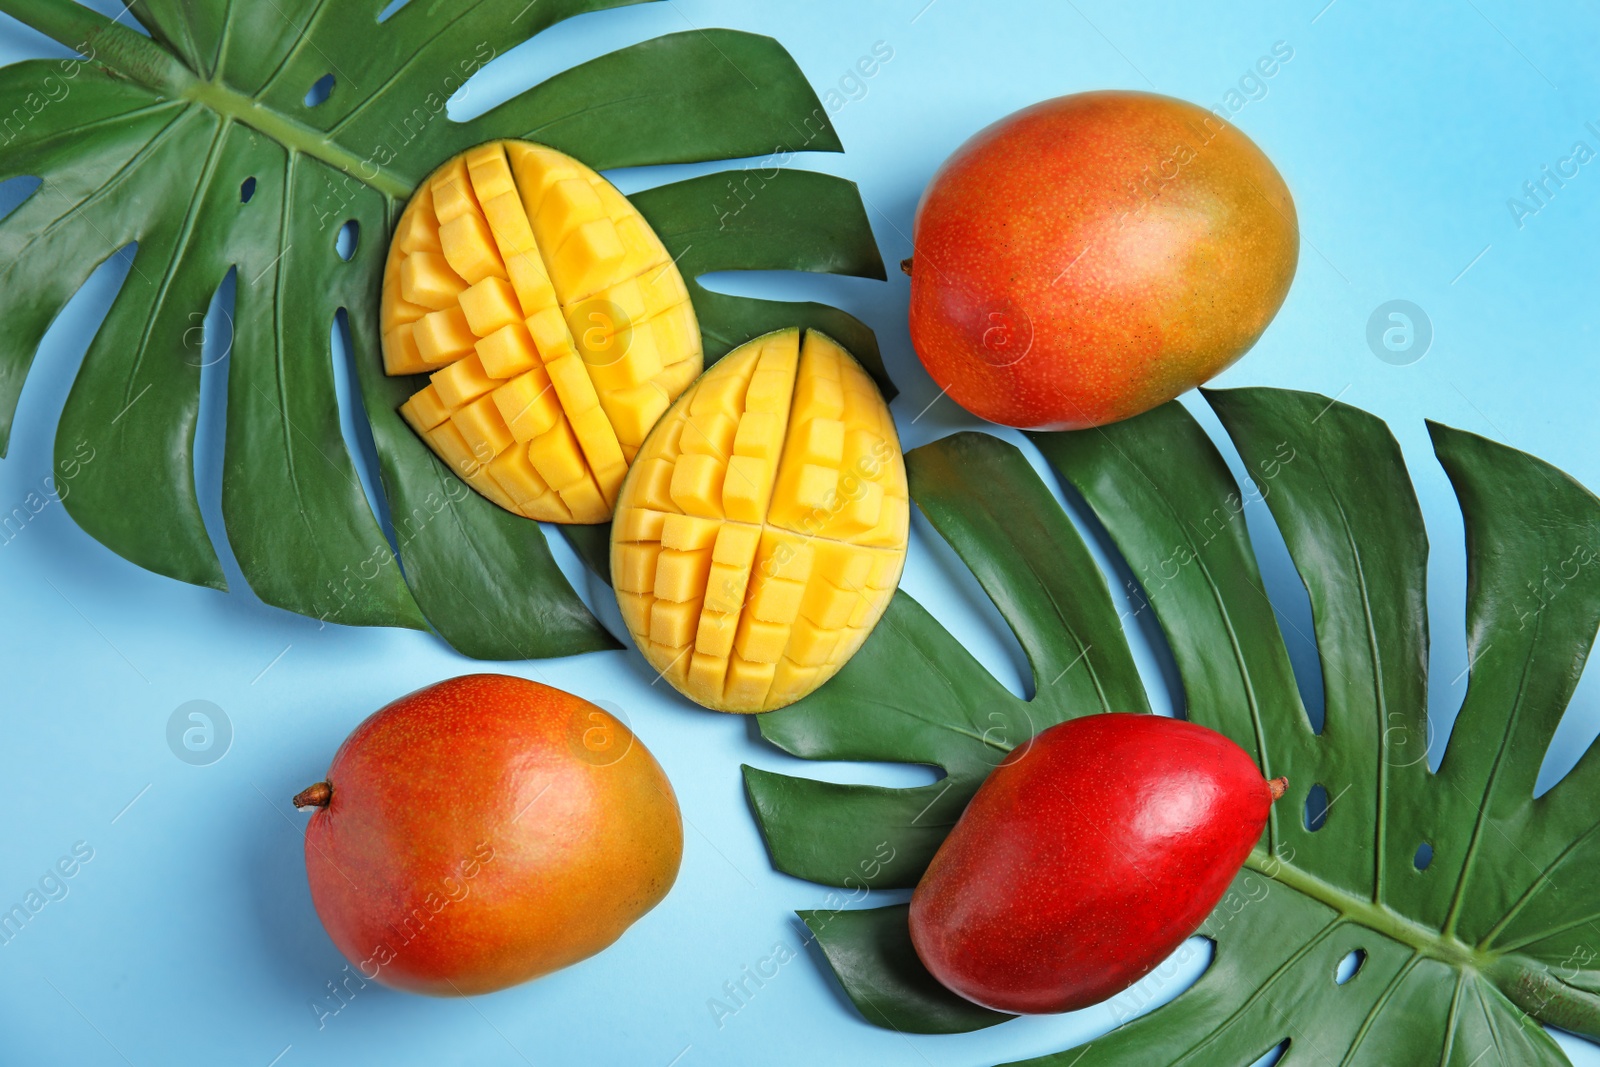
(105, 42)
(129, 54)
(1534, 987)
(296, 136)
(1422, 939)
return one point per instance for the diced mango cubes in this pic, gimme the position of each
(763, 530)
(556, 330)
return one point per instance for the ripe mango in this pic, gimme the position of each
(1091, 257)
(1085, 859)
(484, 831)
(761, 531)
(554, 325)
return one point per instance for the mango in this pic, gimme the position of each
(761, 530)
(553, 324)
(1085, 859)
(1091, 257)
(486, 830)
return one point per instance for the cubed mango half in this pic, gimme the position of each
(762, 529)
(553, 322)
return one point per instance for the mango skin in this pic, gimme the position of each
(487, 830)
(1085, 859)
(1093, 256)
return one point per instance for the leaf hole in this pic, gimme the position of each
(1274, 1055)
(1575, 734)
(1350, 966)
(1316, 813)
(492, 78)
(320, 90)
(1141, 629)
(247, 189)
(14, 191)
(354, 424)
(390, 8)
(1175, 975)
(1423, 857)
(208, 347)
(347, 239)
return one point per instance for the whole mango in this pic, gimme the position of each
(1085, 859)
(484, 831)
(1093, 256)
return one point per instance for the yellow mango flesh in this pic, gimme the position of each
(762, 529)
(553, 324)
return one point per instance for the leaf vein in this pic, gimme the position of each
(398, 73)
(222, 40)
(1459, 897)
(1378, 1006)
(110, 185)
(174, 263)
(277, 338)
(1380, 698)
(1261, 990)
(302, 35)
(1450, 1021)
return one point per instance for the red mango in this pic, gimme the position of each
(1085, 858)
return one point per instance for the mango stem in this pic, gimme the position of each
(314, 796)
(1277, 787)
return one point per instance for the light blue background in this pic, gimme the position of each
(190, 937)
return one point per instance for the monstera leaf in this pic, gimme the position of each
(205, 145)
(1470, 903)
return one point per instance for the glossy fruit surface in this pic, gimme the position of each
(556, 327)
(484, 831)
(762, 530)
(1085, 859)
(1093, 256)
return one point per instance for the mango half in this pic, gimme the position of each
(762, 530)
(554, 324)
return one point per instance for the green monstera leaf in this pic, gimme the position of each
(1472, 902)
(202, 144)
